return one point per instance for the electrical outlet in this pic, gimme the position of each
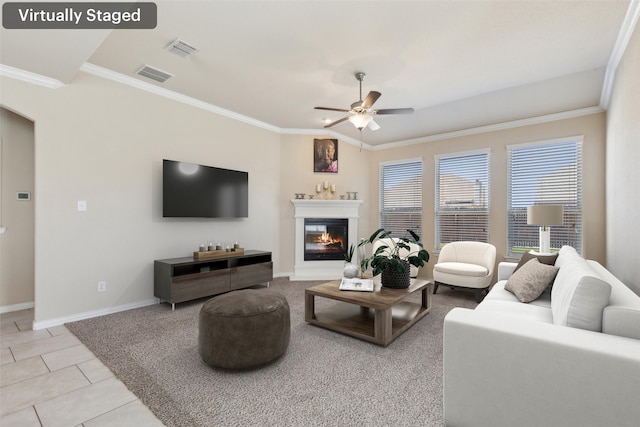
(102, 286)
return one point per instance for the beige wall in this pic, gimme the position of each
(297, 176)
(592, 127)
(623, 174)
(16, 245)
(104, 143)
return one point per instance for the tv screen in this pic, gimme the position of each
(192, 190)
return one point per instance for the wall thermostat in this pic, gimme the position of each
(23, 195)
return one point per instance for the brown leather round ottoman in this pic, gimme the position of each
(244, 329)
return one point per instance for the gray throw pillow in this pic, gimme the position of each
(530, 281)
(544, 259)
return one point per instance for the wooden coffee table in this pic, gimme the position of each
(379, 317)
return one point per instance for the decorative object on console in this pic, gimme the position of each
(325, 155)
(544, 216)
(218, 253)
(393, 256)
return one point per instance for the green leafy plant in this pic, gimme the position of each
(348, 255)
(388, 255)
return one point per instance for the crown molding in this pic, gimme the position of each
(29, 77)
(626, 30)
(148, 87)
(493, 128)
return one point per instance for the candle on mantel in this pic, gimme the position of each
(326, 185)
(333, 188)
(319, 188)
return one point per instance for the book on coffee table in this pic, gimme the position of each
(364, 285)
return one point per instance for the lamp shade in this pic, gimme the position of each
(360, 121)
(544, 215)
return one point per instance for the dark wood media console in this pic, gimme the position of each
(184, 279)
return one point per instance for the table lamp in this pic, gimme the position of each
(544, 216)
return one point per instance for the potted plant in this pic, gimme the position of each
(394, 256)
(350, 269)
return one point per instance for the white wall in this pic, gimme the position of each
(102, 142)
(623, 174)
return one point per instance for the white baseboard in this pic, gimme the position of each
(282, 275)
(16, 307)
(89, 314)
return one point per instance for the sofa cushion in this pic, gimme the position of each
(499, 293)
(530, 312)
(461, 268)
(530, 281)
(544, 259)
(578, 296)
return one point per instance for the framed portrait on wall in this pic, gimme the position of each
(325, 155)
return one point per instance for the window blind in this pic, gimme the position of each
(401, 197)
(462, 197)
(544, 173)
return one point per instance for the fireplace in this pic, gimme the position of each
(325, 238)
(328, 264)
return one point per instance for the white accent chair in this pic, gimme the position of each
(403, 252)
(465, 265)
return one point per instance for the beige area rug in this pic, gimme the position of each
(323, 379)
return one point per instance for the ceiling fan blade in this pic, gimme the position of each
(336, 122)
(332, 109)
(370, 99)
(373, 125)
(394, 111)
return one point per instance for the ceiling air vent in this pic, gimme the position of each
(181, 48)
(154, 74)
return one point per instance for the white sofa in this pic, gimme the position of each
(564, 359)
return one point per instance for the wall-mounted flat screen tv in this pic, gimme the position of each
(199, 191)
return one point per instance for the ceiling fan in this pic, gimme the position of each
(361, 111)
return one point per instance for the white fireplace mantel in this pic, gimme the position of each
(312, 208)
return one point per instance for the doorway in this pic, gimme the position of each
(17, 212)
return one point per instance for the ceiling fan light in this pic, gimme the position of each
(360, 121)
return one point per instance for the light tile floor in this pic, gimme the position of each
(49, 378)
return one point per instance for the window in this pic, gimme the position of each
(544, 173)
(462, 197)
(401, 197)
